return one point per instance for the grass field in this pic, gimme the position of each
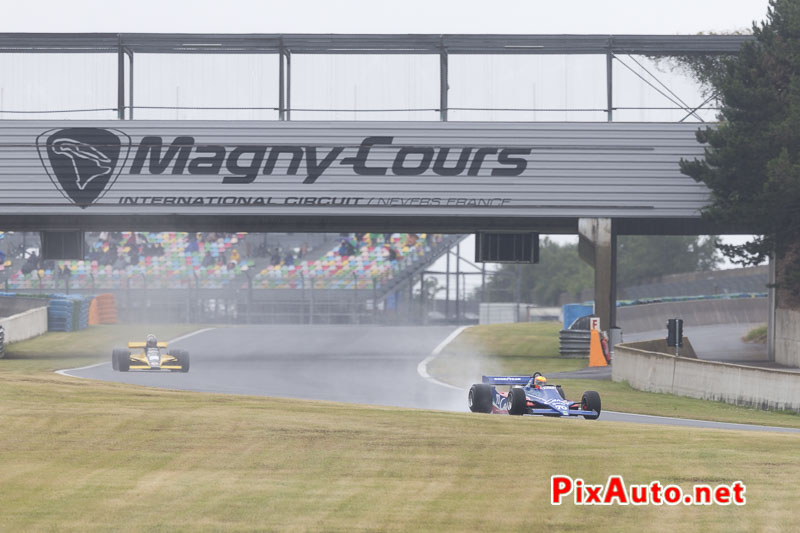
(80, 455)
(757, 335)
(502, 348)
(526, 348)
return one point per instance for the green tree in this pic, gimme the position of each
(641, 258)
(752, 157)
(560, 270)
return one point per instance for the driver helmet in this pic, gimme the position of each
(539, 382)
(151, 341)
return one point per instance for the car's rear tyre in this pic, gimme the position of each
(122, 358)
(561, 392)
(479, 398)
(517, 401)
(591, 402)
(183, 359)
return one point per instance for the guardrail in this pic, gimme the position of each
(256, 306)
(574, 342)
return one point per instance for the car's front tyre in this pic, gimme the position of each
(183, 358)
(479, 398)
(591, 402)
(117, 355)
(123, 358)
(517, 401)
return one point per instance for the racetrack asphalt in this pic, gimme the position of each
(355, 364)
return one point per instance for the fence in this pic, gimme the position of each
(249, 305)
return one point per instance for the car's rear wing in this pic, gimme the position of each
(506, 380)
(144, 344)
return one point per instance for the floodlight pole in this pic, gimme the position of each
(120, 79)
(281, 85)
(609, 86)
(443, 85)
(458, 275)
(447, 288)
(130, 82)
(288, 56)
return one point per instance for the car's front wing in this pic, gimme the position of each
(572, 412)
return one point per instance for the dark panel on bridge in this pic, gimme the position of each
(506, 247)
(63, 245)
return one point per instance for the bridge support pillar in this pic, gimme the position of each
(597, 245)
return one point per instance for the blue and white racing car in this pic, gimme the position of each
(529, 395)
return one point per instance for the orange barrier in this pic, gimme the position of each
(106, 309)
(94, 314)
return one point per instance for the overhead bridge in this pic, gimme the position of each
(455, 177)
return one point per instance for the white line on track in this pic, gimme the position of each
(422, 367)
(725, 424)
(66, 371)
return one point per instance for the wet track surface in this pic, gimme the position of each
(359, 364)
(356, 364)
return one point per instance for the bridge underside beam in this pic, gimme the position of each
(328, 223)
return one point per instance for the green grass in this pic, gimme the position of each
(500, 349)
(81, 455)
(757, 335)
(57, 350)
(532, 339)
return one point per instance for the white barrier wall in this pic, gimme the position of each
(25, 325)
(708, 380)
(653, 317)
(508, 312)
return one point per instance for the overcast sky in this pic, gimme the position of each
(373, 16)
(368, 16)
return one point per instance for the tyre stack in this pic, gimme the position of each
(60, 313)
(67, 312)
(574, 343)
(83, 316)
(2, 342)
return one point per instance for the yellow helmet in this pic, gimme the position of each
(540, 381)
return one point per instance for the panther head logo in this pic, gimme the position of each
(83, 163)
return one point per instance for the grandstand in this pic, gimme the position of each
(373, 259)
(235, 277)
(159, 260)
(176, 260)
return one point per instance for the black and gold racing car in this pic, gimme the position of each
(149, 355)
